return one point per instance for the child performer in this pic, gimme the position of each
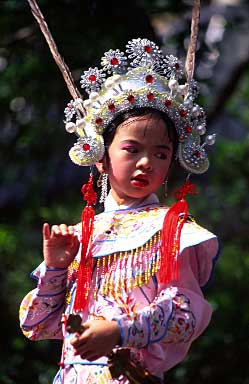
(133, 273)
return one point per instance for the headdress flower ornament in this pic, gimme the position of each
(140, 77)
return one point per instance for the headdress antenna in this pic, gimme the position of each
(190, 59)
(54, 50)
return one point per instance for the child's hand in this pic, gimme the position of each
(60, 246)
(98, 339)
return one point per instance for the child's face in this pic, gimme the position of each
(139, 158)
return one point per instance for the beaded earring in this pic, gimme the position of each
(165, 188)
(103, 183)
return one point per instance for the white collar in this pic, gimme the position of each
(112, 205)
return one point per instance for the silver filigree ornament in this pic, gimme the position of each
(145, 79)
(92, 79)
(193, 157)
(87, 150)
(194, 88)
(114, 62)
(191, 122)
(70, 111)
(143, 52)
(73, 109)
(172, 67)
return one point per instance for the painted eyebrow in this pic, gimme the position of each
(159, 146)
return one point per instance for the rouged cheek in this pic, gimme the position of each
(118, 172)
(162, 173)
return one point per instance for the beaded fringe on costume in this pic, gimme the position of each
(123, 271)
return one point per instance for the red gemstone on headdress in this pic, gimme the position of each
(111, 107)
(150, 96)
(99, 121)
(92, 78)
(114, 61)
(197, 153)
(177, 66)
(183, 113)
(188, 129)
(147, 48)
(131, 99)
(149, 79)
(167, 102)
(86, 147)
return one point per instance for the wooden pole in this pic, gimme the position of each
(54, 50)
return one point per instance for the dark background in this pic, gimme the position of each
(39, 183)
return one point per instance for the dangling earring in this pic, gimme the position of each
(102, 182)
(165, 190)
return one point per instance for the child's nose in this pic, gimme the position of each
(145, 163)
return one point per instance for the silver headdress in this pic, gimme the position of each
(140, 77)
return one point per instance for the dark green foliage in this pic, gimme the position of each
(38, 182)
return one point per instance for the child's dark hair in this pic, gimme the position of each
(111, 129)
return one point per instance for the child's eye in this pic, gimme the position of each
(161, 156)
(130, 149)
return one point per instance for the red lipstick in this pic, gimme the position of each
(140, 181)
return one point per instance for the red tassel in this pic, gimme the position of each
(171, 233)
(85, 267)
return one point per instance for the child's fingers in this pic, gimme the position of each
(59, 229)
(70, 229)
(82, 350)
(76, 341)
(46, 231)
(92, 356)
(55, 230)
(63, 229)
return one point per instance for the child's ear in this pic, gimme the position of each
(101, 165)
